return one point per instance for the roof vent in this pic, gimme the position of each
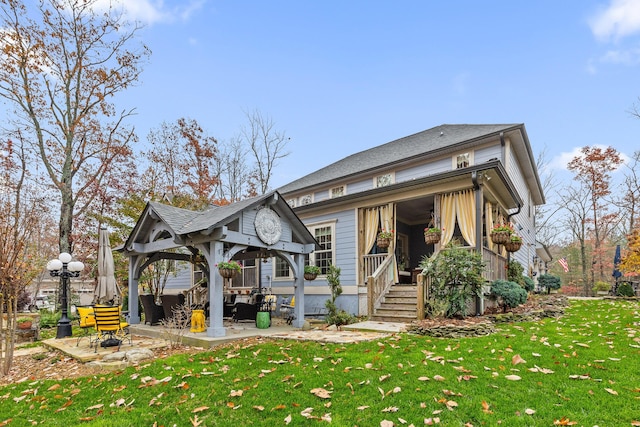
(441, 133)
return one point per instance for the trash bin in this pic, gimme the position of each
(263, 319)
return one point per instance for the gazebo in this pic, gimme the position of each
(259, 227)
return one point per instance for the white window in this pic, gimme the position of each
(292, 202)
(305, 200)
(323, 257)
(383, 180)
(337, 192)
(463, 160)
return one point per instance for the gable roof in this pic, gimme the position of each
(431, 142)
(183, 222)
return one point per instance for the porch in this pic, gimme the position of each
(391, 298)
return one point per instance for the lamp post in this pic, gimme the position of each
(64, 268)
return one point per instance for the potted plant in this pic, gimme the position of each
(432, 235)
(24, 322)
(500, 233)
(228, 269)
(513, 244)
(311, 272)
(384, 239)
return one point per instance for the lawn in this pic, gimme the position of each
(582, 369)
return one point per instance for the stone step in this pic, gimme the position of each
(394, 319)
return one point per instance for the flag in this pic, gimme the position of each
(563, 262)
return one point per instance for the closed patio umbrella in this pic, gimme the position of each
(107, 290)
(616, 273)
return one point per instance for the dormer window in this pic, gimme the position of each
(463, 160)
(337, 192)
(383, 180)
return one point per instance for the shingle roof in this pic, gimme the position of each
(430, 141)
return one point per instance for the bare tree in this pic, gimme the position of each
(576, 203)
(630, 202)
(267, 144)
(593, 170)
(63, 62)
(237, 177)
(548, 229)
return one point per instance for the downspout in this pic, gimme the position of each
(508, 221)
(476, 179)
(503, 144)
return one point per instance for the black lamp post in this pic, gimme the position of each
(64, 268)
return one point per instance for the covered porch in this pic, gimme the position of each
(464, 209)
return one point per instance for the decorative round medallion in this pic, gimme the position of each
(268, 226)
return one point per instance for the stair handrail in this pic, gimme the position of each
(379, 283)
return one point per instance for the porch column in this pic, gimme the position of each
(214, 255)
(479, 224)
(134, 316)
(298, 286)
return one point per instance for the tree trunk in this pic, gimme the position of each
(66, 218)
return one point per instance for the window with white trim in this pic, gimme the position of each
(337, 192)
(305, 200)
(325, 235)
(463, 160)
(383, 180)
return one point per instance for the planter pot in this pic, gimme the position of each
(310, 276)
(512, 246)
(382, 243)
(432, 237)
(227, 273)
(25, 325)
(500, 237)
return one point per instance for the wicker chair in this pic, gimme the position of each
(153, 313)
(170, 303)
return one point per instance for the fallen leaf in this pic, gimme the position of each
(485, 408)
(200, 409)
(564, 421)
(513, 377)
(287, 419)
(611, 391)
(438, 378)
(515, 360)
(321, 393)
(529, 411)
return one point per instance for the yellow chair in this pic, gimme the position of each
(110, 328)
(87, 322)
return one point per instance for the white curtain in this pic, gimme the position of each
(488, 223)
(466, 214)
(371, 222)
(448, 217)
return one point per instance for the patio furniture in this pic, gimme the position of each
(110, 328)
(153, 313)
(228, 304)
(87, 322)
(244, 311)
(170, 303)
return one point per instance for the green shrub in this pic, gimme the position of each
(456, 275)
(514, 272)
(601, 286)
(625, 290)
(336, 316)
(49, 319)
(509, 294)
(549, 282)
(529, 284)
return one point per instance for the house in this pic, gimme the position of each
(460, 178)
(463, 179)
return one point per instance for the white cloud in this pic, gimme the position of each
(152, 12)
(559, 162)
(620, 19)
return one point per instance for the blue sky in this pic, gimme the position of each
(343, 76)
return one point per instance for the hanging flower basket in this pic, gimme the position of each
(383, 243)
(311, 272)
(432, 235)
(514, 243)
(227, 273)
(229, 269)
(500, 237)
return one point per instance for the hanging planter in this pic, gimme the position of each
(384, 239)
(229, 269)
(383, 243)
(311, 272)
(432, 235)
(501, 233)
(514, 244)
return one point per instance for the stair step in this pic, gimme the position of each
(394, 319)
(398, 307)
(392, 299)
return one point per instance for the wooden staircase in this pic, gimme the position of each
(398, 305)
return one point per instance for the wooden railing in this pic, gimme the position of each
(372, 262)
(379, 283)
(495, 265)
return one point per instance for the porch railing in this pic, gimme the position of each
(379, 283)
(495, 265)
(372, 262)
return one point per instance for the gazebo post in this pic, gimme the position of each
(298, 285)
(134, 316)
(216, 284)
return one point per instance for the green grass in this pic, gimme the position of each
(582, 368)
